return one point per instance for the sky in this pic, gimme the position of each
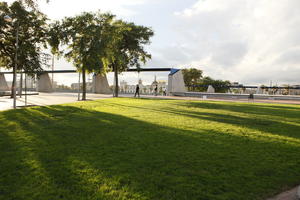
(247, 41)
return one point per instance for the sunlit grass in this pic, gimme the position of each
(149, 149)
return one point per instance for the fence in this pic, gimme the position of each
(273, 90)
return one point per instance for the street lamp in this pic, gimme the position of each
(9, 19)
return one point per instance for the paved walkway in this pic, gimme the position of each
(288, 195)
(45, 99)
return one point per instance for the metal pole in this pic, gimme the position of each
(52, 70)
(15, 68)
(79, 87)
(25, 89)
(94, 83)
(21, 84)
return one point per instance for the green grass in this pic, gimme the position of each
(149, 149)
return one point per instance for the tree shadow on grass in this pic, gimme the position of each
(67, 152)
(258, 109)
(259, 123)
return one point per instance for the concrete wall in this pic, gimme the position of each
(44, 83)
(236, 96)
(176, 83)
(100, 84)
(3, 83)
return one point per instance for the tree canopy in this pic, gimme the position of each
(93, 42)
(220, 86)
(126, 47)
(31, 3)
(31, 28)
(192, 76)
(84, 39)
(195, 81)
(97, 42)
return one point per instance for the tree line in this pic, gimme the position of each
(94, 42)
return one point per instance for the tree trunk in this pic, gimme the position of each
(13, 86)
(116, 93)
(83, 85)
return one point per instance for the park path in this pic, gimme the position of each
(288, 195)
(46, 99)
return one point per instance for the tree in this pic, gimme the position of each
(85, 37)
(99, 43)
(192, 77)
(220, 86)
(126, 48)
(29, 26)
(31, 3)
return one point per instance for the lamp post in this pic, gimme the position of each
(9, 19)
(79, 86)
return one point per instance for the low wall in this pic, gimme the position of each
(236, 96)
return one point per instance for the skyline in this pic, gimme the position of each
(237, 40)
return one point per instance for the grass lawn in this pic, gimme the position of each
(149, 149)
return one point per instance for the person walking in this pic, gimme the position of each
(137, 90)
(165, 92)
(155, 90)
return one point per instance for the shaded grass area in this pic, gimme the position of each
(149, 149)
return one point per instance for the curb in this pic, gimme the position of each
(298, 193)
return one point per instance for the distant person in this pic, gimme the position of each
(165, 92)
(137, 90)
(251, 97)
(155, 90)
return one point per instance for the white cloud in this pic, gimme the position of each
(244, 40)
(205, 6)
(57, 9)
(251, 41)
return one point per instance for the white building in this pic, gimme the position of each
(144, 89)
